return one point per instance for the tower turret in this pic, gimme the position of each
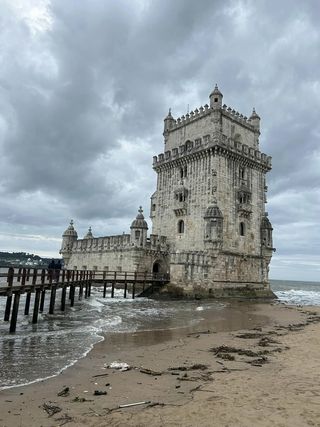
(68, 238)
(168, 123)
(266, 233)
(139, 230)
(255, 120)
(216, 98)
(89, 234)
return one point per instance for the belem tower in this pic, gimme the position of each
(210, 230)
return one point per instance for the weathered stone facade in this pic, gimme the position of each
(210, 228)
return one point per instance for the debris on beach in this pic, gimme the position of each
(81, 399)
(195, 367)
(51, 409)
(128, 405)
(149, 372)
(99, 393)
(120, 366)
(64, 419)
(65, 392)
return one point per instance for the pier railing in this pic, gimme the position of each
(36, 282)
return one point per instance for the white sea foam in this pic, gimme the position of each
(299, 297)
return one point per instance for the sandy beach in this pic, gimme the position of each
(263, 374)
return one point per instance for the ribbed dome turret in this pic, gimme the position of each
(139, 222)
(254, 115)
(266, 224)
(216, 91)
(89, 235)
(213, 212)
(70, 231)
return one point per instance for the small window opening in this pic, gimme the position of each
(183, 172)
(153, 207)
(216, 99)
(242, 229)
(181, 227)
(137, 234)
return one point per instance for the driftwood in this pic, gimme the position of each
(99, 375)
(149, 372)
(128, 405)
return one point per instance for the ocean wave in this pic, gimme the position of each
(299, 297)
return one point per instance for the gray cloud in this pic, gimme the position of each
(84, 88)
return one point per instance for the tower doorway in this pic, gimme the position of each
(156, 267)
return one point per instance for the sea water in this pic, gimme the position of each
(57, 341)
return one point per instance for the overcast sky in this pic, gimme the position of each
(84, 88)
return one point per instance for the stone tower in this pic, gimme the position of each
(210, 201)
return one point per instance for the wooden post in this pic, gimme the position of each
(112, 290)
(19, 274)
(72, 281)
(104, 289)
(90, 282)
(14, 314)
(52, 294)
(71, 295)
(63, 298)
(24, 277)
(64, 291)
(43, 291)
(27, 305)
(125, 285)
(133, 289)
(36, 306)
(81, 286)
(9, 297)
(52, 299)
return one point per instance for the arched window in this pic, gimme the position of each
(242, 229)
(181, 226)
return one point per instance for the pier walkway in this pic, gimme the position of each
(36, 283)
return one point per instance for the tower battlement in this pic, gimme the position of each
(207, 144)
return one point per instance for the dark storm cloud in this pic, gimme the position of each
(84, 87)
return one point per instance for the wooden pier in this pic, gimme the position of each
(37, 283)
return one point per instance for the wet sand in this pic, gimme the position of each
(259, 367)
